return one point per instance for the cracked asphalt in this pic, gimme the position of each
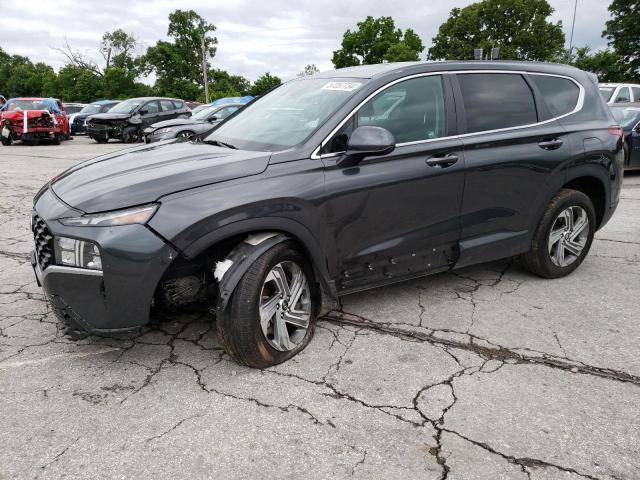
(483, 373)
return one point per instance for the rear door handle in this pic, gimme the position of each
(550, 144)
(442, 161)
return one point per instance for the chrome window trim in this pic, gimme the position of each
(579, 104)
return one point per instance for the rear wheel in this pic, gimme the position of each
(563, 237)
(272, 313)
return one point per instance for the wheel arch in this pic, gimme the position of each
(224, 243)
(594, 184)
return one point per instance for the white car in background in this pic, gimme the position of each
(620, 92)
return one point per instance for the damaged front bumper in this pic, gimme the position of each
(116, 298)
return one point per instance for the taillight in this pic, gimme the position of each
(616, 130)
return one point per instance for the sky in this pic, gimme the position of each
(253, 36)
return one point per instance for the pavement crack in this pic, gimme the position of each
(155, 437)
(491, 352)
(60, 454)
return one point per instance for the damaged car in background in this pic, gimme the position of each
(127, 120)
(33, 120)
(199, 123)
(327, 185)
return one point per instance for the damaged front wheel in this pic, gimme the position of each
(272, 313)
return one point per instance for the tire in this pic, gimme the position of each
(6, 141)
(132, 135)
(558, 256)
(100, 139)
(185, 134)
(240, 329)
(56, 139)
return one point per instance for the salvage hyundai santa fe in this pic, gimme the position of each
(331, 184)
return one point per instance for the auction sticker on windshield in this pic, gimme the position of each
(342, 86)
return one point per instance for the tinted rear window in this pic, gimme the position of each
(560, 94)
(496, 100)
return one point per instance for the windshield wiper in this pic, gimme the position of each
(220, 144)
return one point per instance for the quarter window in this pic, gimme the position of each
(412, 110)
(496, 100)
(636, 94)
(560, 94)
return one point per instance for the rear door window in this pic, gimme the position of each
(178, 104)
(624, 95)
(560, 94)
(493, 101)
(167, 105)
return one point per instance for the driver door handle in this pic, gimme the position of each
(442, 161)
(550, 144)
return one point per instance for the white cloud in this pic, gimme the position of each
(281, 37)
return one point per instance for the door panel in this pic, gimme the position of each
(507, 178)
(395, 216)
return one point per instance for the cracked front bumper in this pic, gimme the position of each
(119, 297)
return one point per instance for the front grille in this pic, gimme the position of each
(44, 242)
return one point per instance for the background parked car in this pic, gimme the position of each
(628, 116)
(77, 120)
(620, 92)
(127, 120)
(33, 119)
(193, 105)
(201, 122)
(72, 108)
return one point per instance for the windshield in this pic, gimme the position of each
(287, 115)
(204, 113)
(13, 105)
(127, 106)
(606, 92)
(91, 108)
(626, 116)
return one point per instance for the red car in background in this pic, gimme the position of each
(33, 119)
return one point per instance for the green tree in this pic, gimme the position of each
(309, 70)
(178, 63)
(519, 27)
(375, 40)
(608, 65)
(222, 84)
(117, 48)
(623, 33)
(263, 84)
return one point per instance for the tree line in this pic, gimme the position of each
(521, 28)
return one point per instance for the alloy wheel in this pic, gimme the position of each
(285, 306)
(568, 236)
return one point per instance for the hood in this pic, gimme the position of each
(105, 117)
(175, 122)
(144, 174)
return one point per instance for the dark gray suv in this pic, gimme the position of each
(330, 184)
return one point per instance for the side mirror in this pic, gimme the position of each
(367, 141)
(143, 112)
(213, 118)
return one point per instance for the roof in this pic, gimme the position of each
(105, 102)
(619, 84)
(372, 71)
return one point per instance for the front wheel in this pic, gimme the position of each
(6, 141)
(563, 237)
(271, 315)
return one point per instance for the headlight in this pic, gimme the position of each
(110, 219)
(77, 253)
(160, 131)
